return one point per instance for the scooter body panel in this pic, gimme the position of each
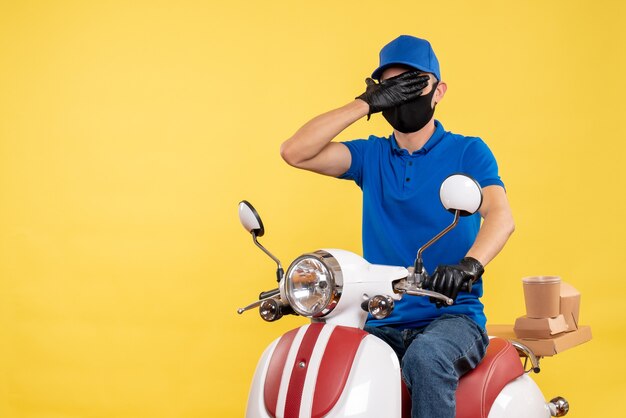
(372, 386)
(521, 398)
(256, 404)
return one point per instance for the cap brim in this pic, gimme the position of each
(379, 71)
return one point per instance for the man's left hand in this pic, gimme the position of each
(449, 280)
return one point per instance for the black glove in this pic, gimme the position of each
(450, 280)
(394, 91)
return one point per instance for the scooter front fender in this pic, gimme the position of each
(370, 377)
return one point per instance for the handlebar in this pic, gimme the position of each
(269, 293)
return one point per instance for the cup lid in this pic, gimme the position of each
(541, 280)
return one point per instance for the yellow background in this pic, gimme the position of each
(129, 131)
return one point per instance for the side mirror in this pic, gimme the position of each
(461, 195)
(461, 192)
(250, 219)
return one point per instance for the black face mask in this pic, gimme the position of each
(412, 116)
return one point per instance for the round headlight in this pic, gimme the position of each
(313, 284)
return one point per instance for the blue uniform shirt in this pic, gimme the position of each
(402, 211)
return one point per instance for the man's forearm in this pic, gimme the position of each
(313, 136)
(496, 229)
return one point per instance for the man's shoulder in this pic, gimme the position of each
(379, 139)
(462, 143)
(371, 142)
(462, 139)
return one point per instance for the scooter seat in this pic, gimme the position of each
(479, 388)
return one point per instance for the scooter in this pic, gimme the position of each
(332, 368)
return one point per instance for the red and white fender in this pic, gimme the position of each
(322, 370)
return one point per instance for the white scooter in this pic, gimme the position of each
(332, 368)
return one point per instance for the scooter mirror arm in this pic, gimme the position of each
(279, 271)
(418, 269)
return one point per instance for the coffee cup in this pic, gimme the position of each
(541, 294)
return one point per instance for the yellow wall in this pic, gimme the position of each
(129, 131)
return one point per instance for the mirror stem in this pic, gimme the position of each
(279, 271)
(419, 264)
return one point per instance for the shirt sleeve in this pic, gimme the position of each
(357, 149)
(479, 162)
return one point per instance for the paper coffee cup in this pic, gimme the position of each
(541, 294)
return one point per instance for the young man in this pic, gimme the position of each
(400, 178)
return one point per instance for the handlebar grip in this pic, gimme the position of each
(269, 294)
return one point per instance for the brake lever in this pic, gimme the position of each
(254, 304)
(404, 287)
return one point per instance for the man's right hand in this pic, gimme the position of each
(393, 91)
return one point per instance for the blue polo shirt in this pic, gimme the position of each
(402, 211)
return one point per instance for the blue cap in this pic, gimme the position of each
(411, 51)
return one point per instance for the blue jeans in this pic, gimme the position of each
(433, 358)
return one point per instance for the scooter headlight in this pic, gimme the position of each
(313, 284)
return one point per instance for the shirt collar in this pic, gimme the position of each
(434, 139)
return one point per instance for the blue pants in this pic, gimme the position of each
(433, 358)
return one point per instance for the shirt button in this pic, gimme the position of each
(408, 179)
(410, 162)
